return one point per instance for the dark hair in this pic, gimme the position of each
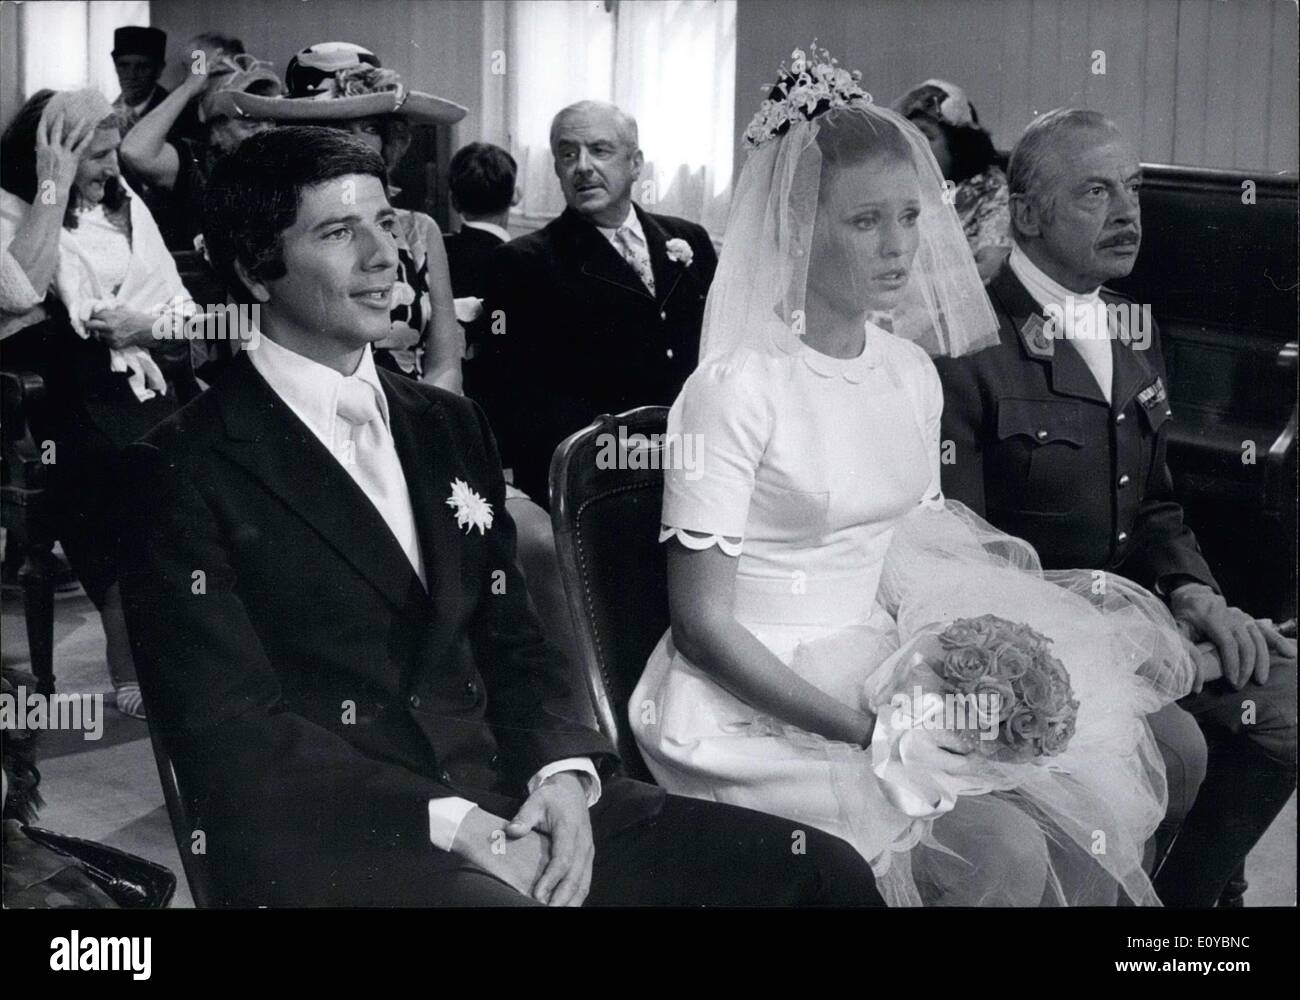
(253, 197)
(18, 160)
(18, 147)
(394, 135)
(847, 137)
(482, 179)
(969, 146)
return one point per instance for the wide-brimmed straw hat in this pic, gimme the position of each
(338, 81)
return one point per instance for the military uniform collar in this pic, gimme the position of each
(1069, 373)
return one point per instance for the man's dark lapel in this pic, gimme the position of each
(427, 451)
(1070, 375)
(595, 256)
(601, 261)
(1133, 368)
(266, 438)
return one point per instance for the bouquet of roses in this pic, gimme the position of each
(1005, 671)
(981, 693)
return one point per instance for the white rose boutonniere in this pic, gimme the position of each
(472, 511)
(680, 251)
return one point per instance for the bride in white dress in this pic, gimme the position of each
(811, 540)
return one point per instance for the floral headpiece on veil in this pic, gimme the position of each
(818, 113)
(810, 87)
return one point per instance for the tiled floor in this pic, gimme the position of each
(108, 790)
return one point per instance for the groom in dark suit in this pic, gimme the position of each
(600, 310)
(333, 637)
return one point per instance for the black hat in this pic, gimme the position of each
(136, 41)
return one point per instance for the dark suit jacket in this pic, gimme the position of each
(1038, 451)
(581, 334)
(173, 209)
(468, 252)
(313, 695)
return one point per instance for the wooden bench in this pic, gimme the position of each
(1218, 268)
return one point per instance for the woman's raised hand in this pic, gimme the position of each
(58, 154)
(199, 66)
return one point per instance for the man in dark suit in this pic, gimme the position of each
(481, 177)
(1058, 435)
(482, 183)
(600, 310)
(333, 635)
(138, 58)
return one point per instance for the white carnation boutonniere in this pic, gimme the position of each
(472, 511)
(680, 251)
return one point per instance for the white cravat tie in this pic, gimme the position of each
(370, 457)
(636, 254)
(1081, 313)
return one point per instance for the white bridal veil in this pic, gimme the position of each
(758, 294)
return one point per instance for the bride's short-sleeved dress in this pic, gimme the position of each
(805, 463)
(806, 466)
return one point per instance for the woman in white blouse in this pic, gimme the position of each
(91, 300)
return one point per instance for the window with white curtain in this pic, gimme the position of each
(66, 45)
(671, 64)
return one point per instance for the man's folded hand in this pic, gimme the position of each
(1242, 643)
(558, 809)
(517, 861)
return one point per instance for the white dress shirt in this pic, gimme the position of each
(311, 391)
(632, 223)
(1089, 335)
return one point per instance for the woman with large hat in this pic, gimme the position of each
(341, 85)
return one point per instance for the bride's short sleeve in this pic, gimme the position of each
(723, 420)
(921, 380)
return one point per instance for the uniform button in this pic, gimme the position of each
(414, 701)
(1121, 418)
(471, 687)
(663, 314)
(1123, 480)
(1122, 536)
(669, 352)
(1042, 435)
(445, 777)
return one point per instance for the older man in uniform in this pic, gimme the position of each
(1058, 436)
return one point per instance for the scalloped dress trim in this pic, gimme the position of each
(700, 542)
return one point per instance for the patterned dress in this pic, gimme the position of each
(984, 206)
